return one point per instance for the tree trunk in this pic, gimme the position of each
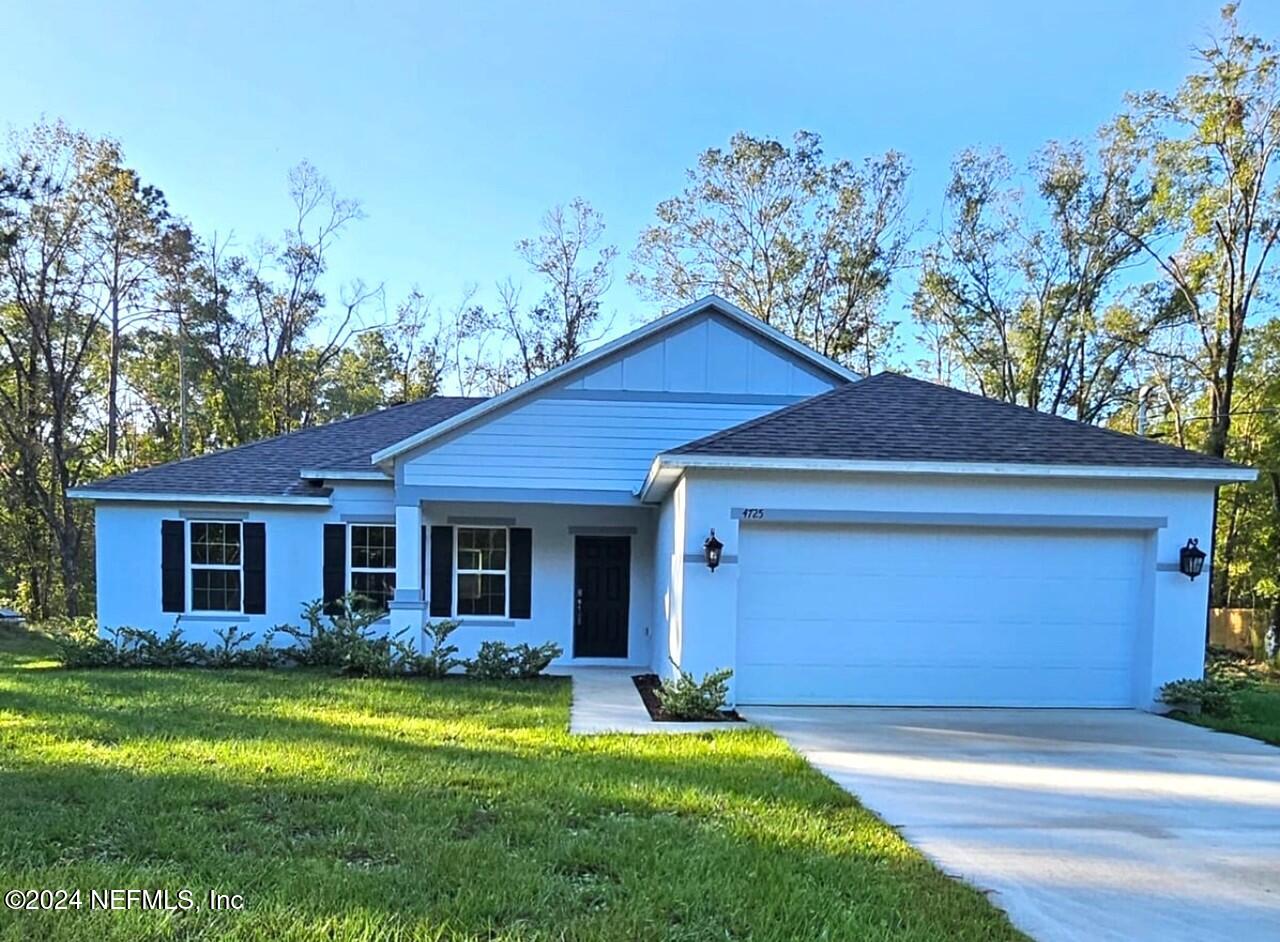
(113, 382)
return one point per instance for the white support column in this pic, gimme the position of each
(408, 607)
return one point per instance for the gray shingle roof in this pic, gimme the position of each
(888, 417)
(271, 467)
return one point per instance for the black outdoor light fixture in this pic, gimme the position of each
(1191, 559)
(711, 550)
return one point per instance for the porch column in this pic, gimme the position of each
(407, 607)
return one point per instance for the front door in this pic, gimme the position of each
(601, 595)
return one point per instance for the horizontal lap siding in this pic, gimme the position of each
(570, 443)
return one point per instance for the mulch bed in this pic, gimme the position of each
(648, 685)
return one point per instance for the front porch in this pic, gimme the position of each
(578, 575)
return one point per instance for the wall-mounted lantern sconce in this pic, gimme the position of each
(1191, 559)
(711, 550)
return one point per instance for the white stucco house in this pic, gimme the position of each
(885, 540)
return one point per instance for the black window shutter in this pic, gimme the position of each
(521, 571)
(335, 566)
(255, 568)
(441, 572)
(173, 577)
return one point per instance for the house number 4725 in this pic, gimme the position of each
(752, 513)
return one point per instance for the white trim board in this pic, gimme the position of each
(93, 493)
(767, 515)
(664, 323)
(666, 469)
(376, 474)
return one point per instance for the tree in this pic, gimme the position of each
(280, 283)
(1026, 296)
(575, 267)
(807, 246)
(1247, 573)
(1215, 200)
(51, 326)
(130, 217)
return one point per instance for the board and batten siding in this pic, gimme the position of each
(708, 355)
(600, 430)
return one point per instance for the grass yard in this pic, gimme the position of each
(1259, 716)
(363, 810)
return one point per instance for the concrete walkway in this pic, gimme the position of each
(605, 700)
(1088, 825)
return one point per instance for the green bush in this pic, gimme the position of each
(531, 661)
(439, 659)
(496, 660)
(232, 650)
(1213, 697)
(346, 642)
(686, 698)
(79, 650)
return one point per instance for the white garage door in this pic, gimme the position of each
(949, 617)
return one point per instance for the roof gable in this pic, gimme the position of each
(634, 353)
(894, 418)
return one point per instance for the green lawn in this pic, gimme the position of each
(347, 809)
(1259, 714)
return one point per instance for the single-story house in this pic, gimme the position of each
(882, 540)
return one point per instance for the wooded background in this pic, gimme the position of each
(1126, 281)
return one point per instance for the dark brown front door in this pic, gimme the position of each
(601, 596)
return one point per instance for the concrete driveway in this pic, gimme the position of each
(1086, 824)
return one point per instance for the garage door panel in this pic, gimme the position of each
(1009, 687)
(902, 616)
(776, 641)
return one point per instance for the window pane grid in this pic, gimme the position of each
(215, 567)
(373, 564)
(482, 571)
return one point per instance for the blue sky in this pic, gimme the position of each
(456, 126)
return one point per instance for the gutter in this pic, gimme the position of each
(104, 494)
(674, 463)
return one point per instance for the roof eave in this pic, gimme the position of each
(372, 474)
(106, 494)
(655, 326)
(1223, 475)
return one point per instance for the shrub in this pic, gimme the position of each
(530, 661)
(128, 647)
(688, 699)
(231, 651)
(499, 661)
(439, 659)
(79, 650)
(1213, 697)
(494, 661)
(80, 646)
(345, 641)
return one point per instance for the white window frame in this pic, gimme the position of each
(192, 565)
(505, 573)
(352, 568)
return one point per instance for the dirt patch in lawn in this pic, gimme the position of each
(648, 685)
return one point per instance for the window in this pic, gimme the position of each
(373, 563)
(216, 567)
(482, 571)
